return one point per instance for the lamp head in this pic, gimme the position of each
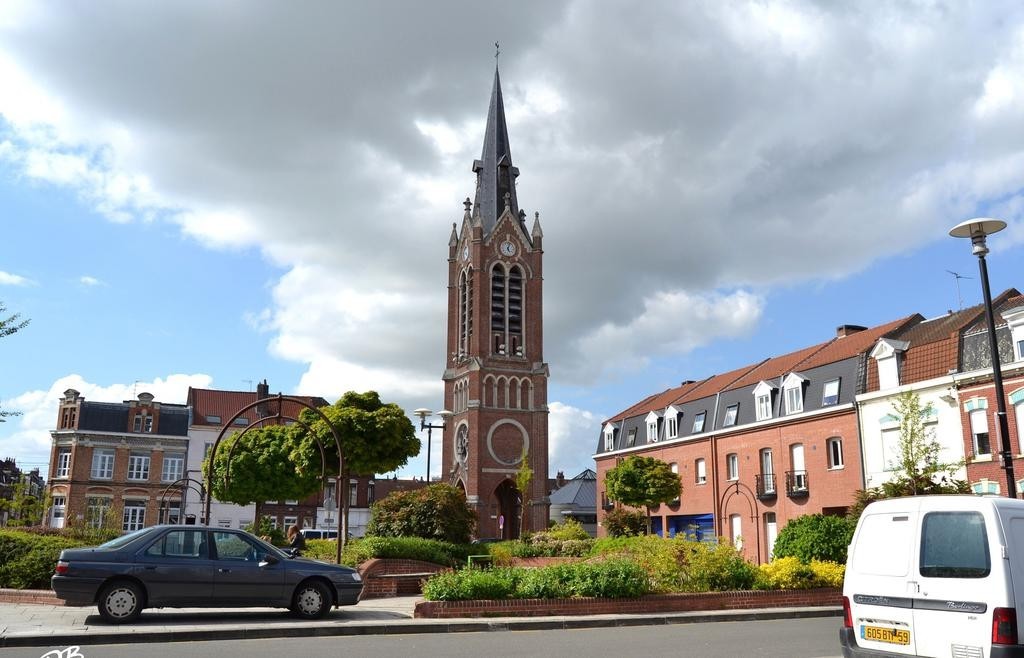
(422, 413)
(977, 230)
(444, 414)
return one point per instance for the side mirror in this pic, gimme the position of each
(267, 560)
(291, 552)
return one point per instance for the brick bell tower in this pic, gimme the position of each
(495, 379)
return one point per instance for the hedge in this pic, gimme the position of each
(358, 551)
(30, 558)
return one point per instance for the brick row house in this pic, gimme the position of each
(800, 433)
(139, 462)
(12, 477)
(117, 460)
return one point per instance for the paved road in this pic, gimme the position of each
(786, 638)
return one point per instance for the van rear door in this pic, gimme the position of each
(962, 577)
(881, 562)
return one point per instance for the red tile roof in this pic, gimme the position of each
(225, 404)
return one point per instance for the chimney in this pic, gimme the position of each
(845, 330)
(262, 393)
(560, 480)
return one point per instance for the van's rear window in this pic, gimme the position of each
(954, 545)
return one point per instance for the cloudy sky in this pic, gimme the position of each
(210, 194)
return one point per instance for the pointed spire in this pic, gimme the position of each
(495, 175)
(454, 239)
(536, 232)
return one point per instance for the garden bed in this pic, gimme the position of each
(660, 603)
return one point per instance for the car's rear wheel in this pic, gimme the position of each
(121, 602)
(312, 600)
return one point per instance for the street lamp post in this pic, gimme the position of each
(977, 230)
(444, 414)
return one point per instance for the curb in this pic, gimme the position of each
(413, 627)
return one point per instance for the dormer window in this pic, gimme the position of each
(698, 422)
(652, 427)
(793, 392)
(763, 400)
(830, 394)
(143, 423)
(1015, 321)
(631, 438)
(671, 423)
(730, 415)
(886, 355)
(609, 438)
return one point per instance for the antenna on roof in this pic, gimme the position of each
(249, 382)
(957, 277)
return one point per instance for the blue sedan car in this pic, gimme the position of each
(176, 566)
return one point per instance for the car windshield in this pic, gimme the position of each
(124, 539)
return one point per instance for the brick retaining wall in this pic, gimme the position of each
(43, 596)
(662, 603)
(387, 577)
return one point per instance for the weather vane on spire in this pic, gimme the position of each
(497, 51)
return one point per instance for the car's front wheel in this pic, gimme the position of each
(312, 600)
(121, 602)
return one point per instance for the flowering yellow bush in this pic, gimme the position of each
(828, 574)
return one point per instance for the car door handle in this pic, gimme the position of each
(224, 570)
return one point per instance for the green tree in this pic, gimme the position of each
(376, 437)
(623, 522)
(918, 469)
(24, 508)
(643, 482)
(438, 511)
(524, 476)
(266, 463)
(8, 326)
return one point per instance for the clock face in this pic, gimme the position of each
(508, 248)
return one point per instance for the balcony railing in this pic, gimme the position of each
(796, 484)
(765, 485)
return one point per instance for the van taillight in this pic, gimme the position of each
(847, 615)
(62, 567)
(1004, 626)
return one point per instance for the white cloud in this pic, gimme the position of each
(8, 279)
(701, 153)
(671, 323)
(572, 438)
(30, 439)
(89, 281)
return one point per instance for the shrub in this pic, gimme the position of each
(29, 558)
(785, 573)
(625, 522)
(613, 578)
(471, 584)
(264, 528)
(815, 537)
(661, 559)
(716, 568)
(791, 573)
(828, 574)
(358, 551)
(438, 511)
(569, 529)
(325, 550)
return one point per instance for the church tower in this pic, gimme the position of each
(495, 378)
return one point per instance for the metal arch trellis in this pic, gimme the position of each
(181, 486)
(262, 420)
(734, 490)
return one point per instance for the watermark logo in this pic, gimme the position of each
(70, 652)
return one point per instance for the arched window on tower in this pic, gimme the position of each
(498, 309)
(515, 311)
(465, 311)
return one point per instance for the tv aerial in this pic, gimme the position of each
(956, 277)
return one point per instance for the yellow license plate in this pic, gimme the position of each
(880, 634)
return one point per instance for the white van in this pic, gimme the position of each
(314, 533)
(935, 576)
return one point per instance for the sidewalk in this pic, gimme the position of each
(35, 625)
